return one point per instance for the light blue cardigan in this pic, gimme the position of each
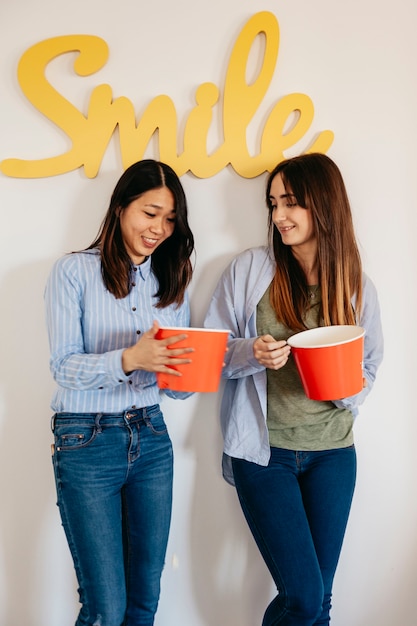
(243, 406)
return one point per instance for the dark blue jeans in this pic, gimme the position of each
(297, 509)
(113, 477)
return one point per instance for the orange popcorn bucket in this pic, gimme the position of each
(329, 360)
(204, 371)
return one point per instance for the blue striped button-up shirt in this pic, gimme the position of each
(89, 329)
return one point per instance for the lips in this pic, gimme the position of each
(149, 243)
(285, 229)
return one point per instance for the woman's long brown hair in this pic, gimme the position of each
(317, 184)
(171, 260)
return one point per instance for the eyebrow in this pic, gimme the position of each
(282, 196)
(157, 206)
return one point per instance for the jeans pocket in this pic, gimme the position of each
(73, 436)
(156, 423)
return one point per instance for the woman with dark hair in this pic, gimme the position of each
(292, 459)
(112, 454)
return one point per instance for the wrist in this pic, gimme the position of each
(127, 364)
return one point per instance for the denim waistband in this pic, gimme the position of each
(130, 415)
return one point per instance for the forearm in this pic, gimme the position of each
(84, 372)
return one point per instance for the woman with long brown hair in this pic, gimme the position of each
(112, 453)
(292, 459)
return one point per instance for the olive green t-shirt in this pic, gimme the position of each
(294, 421)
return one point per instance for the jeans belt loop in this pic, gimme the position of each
(53, 422)
(97, 424)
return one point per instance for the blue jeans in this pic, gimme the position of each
(113, 475)
(297, 509)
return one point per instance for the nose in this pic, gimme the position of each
(279, 214)
(157, 225)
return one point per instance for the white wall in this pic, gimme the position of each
(356, 60)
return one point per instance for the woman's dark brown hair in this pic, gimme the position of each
(171, 260)
(317, 184)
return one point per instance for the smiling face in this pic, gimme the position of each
(293, 222)
(146, 222)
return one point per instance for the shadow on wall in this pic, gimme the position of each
(231, 584)
(26, 479)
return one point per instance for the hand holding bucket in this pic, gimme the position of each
(329, 360)
(204, 371)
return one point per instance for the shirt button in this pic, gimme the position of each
(133, 308)
(138, 332)
(120, 381)
(130, 382)
(133, 406)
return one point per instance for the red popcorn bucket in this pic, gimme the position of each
(329, 360)
(204, 371)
